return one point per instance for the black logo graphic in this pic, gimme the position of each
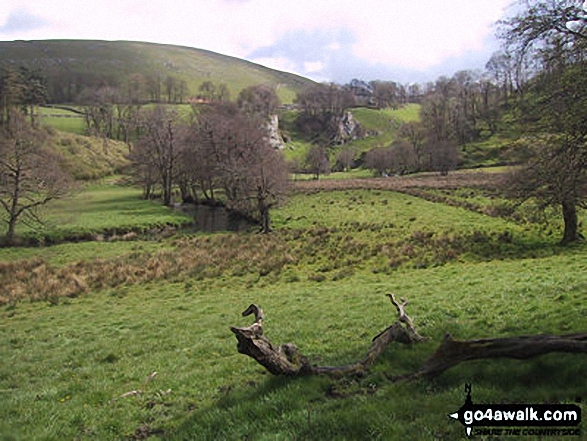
(473, 415)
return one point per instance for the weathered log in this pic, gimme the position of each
(287, 359)
(453, 352)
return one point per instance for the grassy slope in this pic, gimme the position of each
(88, 157)
(67, 363)
(384, 122)
(119, 59)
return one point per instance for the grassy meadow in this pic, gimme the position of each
(97, 211)
(129, 338)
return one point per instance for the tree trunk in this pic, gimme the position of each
(11, 229)
(263, 208)
(571, 233)
(13, 214)
(289, 361)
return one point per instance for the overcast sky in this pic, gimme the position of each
(326, 40)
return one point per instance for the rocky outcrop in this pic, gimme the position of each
(348, 129)
(275, 138)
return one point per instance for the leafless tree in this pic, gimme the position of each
(553, 32)
(443, 156)
(346, 158)
(403, 159)
(380, 159)
(415, 134)
(236, 148)
(207, 91)
(30, 174)
(259, 100)
(160, 147)
(317, 161)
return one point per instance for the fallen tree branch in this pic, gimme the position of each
(453, 352)
(288, 360)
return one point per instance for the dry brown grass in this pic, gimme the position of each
(318, 254)
(199, 258)
(403, 183)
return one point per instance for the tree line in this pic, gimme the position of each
(23, 89)
(537, 81)
(225, 147)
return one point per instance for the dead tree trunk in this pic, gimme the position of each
(287, 359)
(452, 352)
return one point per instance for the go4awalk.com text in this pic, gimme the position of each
(518, 419)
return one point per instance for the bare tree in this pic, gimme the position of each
(317, 161)
(269, 179)
(346, 158)
(415, 134)
(223, 93)
(554, 32)
(259, 100)
(161, 145)
(143, 167)
(100, 110)
(236, 148)
(380, 159)
(30, 174)
(403, 159)
(443, 156)
(207, 91)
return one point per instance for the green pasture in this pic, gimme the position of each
(68, 367)
(75, 124)
(101, 208)
(83, 367)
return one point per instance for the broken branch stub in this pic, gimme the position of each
(283, 360)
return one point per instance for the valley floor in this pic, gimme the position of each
(130, 339)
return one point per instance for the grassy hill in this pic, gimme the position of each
(383, 125)
(118, 60)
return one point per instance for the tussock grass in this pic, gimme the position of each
(388, 231)
(68, 365)
(76, 363)
(88, 158)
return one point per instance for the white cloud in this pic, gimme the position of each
(21, 20)
(393, 33)
(313, 66)
(278, 63)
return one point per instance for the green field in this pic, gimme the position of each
(109, 314)
(63, 120)
(99, 209)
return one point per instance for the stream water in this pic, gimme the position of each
(214, 219)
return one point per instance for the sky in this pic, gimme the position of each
(325, 40)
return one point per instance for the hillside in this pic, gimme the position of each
(87, 157)
(66, 63)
